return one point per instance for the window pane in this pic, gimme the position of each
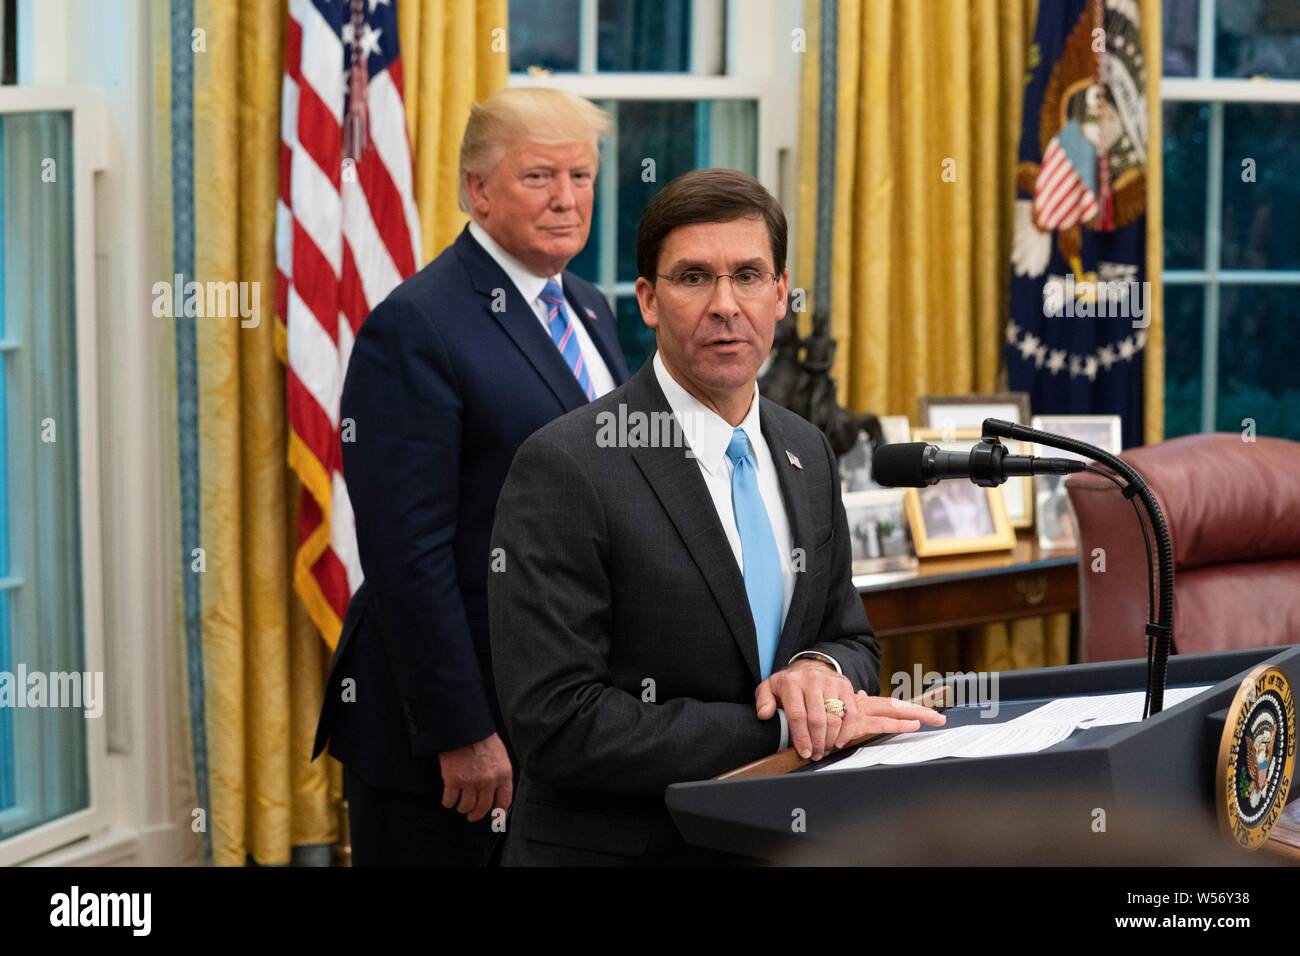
(1179, 37)
(7, 795)
(1261, 186)
(659, 140)
(636, 338)
(544, 34)
(1184, 317)
(1259, 338)
(42, 623)
(1259, 38)
(1186, 169)
(644, 36)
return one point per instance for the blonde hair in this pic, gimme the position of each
(534, 114)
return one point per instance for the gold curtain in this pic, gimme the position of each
(928, 125)
(1154, 354)
(263, 662)
(927, 113)
(453, 53)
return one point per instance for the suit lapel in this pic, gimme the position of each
(519, 321)
(680, 488)
(794, 492)
(601, 330)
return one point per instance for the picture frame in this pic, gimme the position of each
(951, 413)
(1055, 524)
(879, 533)
(1017, 493)
(855, 464)
(896, 428)
(957, 517)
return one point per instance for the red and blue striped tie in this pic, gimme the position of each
(563, 335)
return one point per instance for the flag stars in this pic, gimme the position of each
(1107, 356)
(1090, 367)
(369, 38)
(1013, 331)
(1127, 349)
(1056, 361)
(1040, 353)
(1028, 345)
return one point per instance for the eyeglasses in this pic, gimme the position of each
(747, 283)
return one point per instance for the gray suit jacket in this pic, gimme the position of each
(624, 651)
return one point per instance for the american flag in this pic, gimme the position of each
(1066, 193)
(347, 232)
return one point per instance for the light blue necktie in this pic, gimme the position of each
(758, 550)
(563, 336)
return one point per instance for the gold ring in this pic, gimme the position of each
(835, 707)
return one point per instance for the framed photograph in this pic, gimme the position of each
(1017, 493)
(878, 531)
(855, 464)
(952, 413)
(855, 467)
(957, 517)
(1055, 520)
(897, 429)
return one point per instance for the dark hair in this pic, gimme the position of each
(707, 195)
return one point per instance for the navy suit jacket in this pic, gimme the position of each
(442, 387)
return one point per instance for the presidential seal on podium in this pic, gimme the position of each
(1256, 757)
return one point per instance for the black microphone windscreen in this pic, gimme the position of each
(899, 466)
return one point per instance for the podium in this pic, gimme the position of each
(1132, 794)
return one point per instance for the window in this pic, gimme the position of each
(1231, 105)
(43, 770)
(702, 105)
(53, 745)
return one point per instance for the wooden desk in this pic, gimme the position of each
(974, 589)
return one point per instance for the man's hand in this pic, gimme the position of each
(477, 779)
(802, 689)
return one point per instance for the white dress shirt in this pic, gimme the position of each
(708, 435)
(530, 286)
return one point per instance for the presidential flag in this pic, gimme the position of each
(347, 232)
(1079, 303)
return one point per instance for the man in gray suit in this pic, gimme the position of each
(672, 593)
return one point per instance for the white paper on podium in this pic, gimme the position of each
(1105, 710)
(1029, 733)
(973, 740)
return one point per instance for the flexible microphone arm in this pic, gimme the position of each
(1160, 623)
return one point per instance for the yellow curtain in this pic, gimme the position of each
(928, 125)
(927, 114)
(260, 661)
(1154, 357)
(453, 53)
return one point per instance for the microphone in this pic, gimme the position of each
(918, 465)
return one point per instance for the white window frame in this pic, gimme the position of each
(1215, 92)
(762, 33)
(88, 142)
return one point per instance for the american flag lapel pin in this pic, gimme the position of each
(794, 459)
(591, 313)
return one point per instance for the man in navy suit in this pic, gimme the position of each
(448, 376)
